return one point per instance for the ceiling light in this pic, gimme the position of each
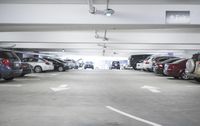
(109, 12)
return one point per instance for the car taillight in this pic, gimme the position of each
(160, 65)
(6, 62)
(146, 62)
(47, 63)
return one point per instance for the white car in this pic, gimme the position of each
(39, 64)
(139, 65)
(148, 63)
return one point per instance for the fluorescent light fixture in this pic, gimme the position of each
(108, 12)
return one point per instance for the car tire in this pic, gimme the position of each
(197, 79)
(8, 79)
(190, 65)
(38, 69)
(184, 76)
(60, 69)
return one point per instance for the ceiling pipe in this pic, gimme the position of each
(92, 9)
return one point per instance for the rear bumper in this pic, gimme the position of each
(11, 73)
(172, 73)
(26, 71)
(66, 67)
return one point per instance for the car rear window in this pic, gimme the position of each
(178, 61)
(8, 55)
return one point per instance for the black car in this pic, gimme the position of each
(115, 65)
(134, 59)
(26, 69)
(58, 65)
(10, 65)
(89, 65)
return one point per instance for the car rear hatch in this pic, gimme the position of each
(11, 59)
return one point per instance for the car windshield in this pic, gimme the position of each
(60, 60)
(115, 62)
(88, 62)
(170, 60)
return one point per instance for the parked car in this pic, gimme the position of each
(39, 64)
(193, 67)
(10, 65)
(115, 65)
(62, 61)
(72, 63)
(134, 59)
(177, 69)
(150, 62)
(159, 67)
(26, 69)
(58, 65)
(139, 65)
(89, 64)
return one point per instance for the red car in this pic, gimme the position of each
(177, 69)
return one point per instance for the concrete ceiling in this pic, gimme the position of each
(136, 26)
(102, 1)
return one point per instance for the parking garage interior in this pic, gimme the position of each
(99, 62)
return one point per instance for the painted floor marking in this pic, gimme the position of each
(133, 117)
(60, 88)
(28, 79)
(10, 85)
(151, 88)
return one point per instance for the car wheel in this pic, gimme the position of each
(184, 76)
(38, 69)
(197, 79)
(60, 69)
(8, 79)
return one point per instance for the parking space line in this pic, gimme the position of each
(60, 88)
(133, 117)
(28, 79)
(9, 85)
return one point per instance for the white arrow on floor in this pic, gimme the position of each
(60, 88)
(151, 88)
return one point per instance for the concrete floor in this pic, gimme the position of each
(99, 98)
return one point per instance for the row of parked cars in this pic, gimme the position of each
(179, 68)
(11, 66)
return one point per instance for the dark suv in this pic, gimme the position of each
(10, 65)
(115, 65)
(88, 64)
